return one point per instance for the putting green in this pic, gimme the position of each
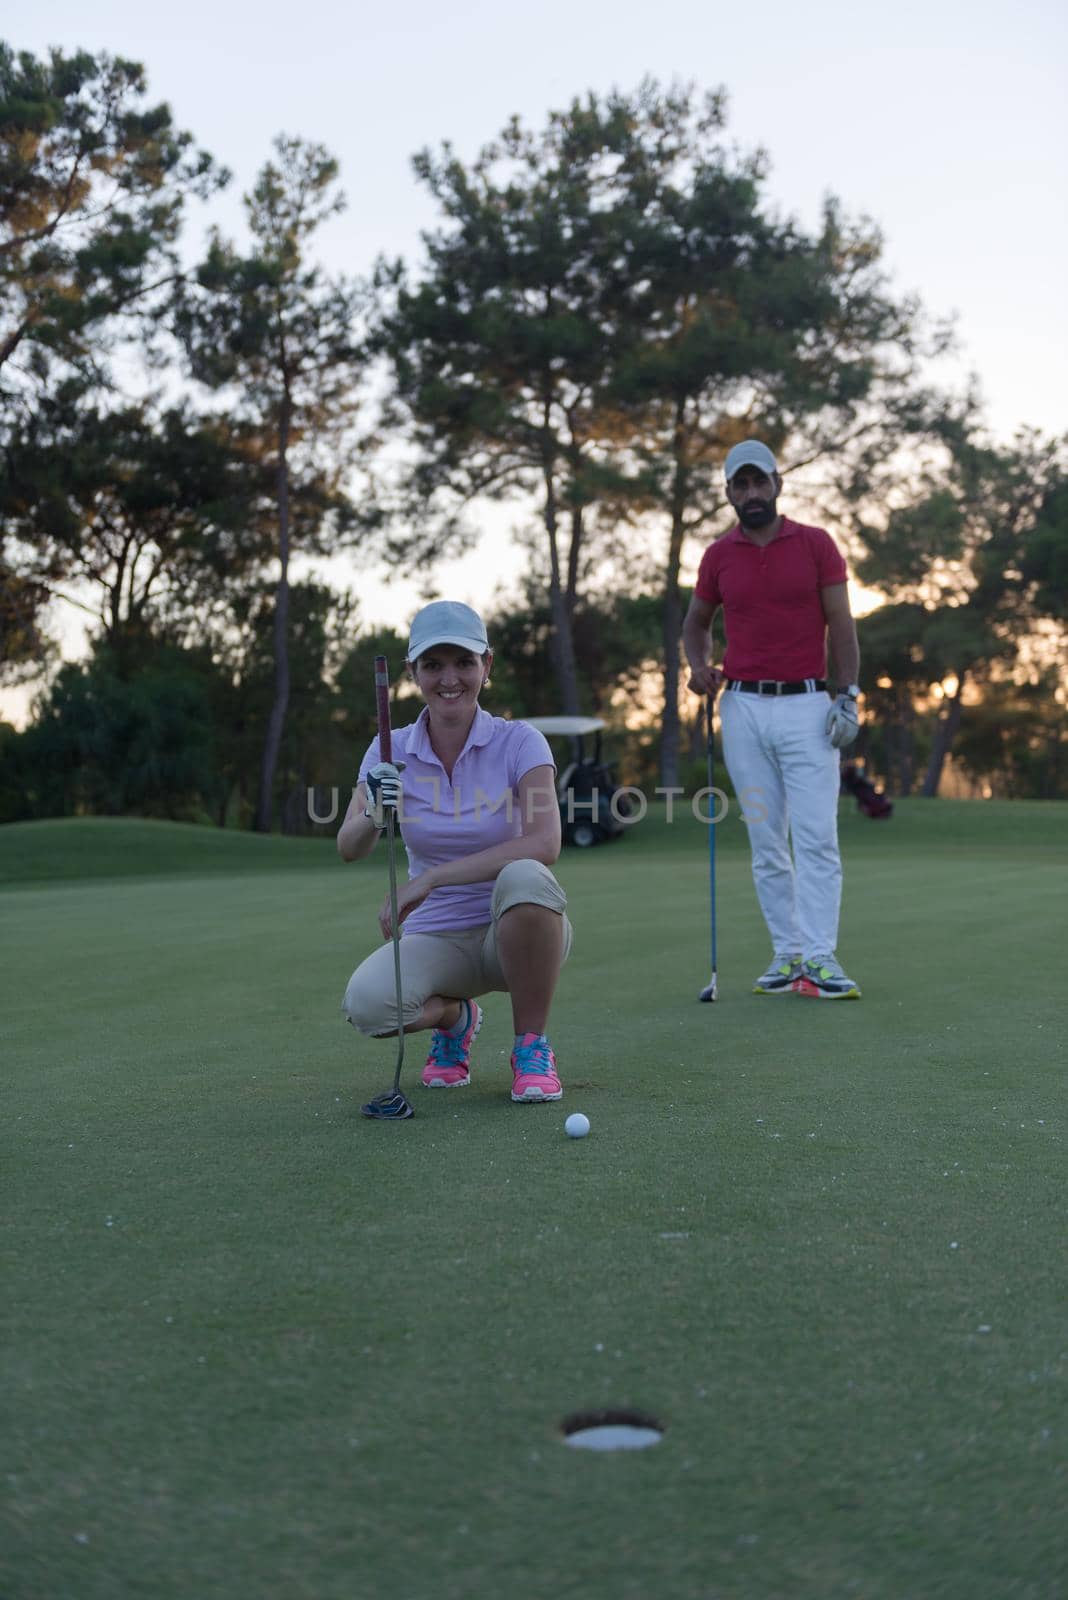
(259, 1346)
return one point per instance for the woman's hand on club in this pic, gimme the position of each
(383, 792)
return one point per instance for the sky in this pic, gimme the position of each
(945, 122)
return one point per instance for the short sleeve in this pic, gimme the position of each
(830, 562)
(707, 586)
(529, 749)
(370, 760)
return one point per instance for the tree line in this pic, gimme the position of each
(604, 305)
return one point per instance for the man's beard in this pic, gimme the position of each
(757, 513)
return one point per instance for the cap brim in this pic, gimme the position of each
(477, 647)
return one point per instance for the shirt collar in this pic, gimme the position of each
(480, 733)
(738, 534)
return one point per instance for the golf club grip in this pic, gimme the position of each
(385, 740)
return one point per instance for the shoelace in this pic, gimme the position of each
(826, 967)
(446, 1049)
(534, 1058)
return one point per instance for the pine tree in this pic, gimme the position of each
(500, 345)
(93, 184)
(745, 325)
(144, 519)
(977, 558)
(277, 335)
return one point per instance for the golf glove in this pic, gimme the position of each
(843, 720)
(383, 791)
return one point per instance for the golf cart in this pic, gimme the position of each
(592, 809)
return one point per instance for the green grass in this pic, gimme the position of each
(119, 847)
(258, 1346)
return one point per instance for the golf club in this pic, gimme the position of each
(392, 1106)
(709, 991)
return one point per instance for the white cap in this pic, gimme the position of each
(447, 622)
(750, 453)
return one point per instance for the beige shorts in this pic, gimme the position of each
(456, 965)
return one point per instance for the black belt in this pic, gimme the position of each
(773, 686)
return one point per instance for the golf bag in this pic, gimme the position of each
(869, 799)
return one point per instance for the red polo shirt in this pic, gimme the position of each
(771, 603)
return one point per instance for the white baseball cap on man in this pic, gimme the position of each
(447, 622)
(750, 453)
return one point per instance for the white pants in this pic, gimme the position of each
(785, 774)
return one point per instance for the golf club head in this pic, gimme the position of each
(709, 991)
(389, 1107)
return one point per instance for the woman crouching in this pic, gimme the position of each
(481, 910)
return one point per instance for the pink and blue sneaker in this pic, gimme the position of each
(448, 1066)
(534, 1069)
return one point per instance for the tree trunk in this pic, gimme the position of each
(1051, 782)
(901, 747)
(672, 615)
(277, 720)
(908, 748)
(561, 643)
(573, 553)
(672, 632)
(945, 733)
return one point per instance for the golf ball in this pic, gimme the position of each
(577, 1125)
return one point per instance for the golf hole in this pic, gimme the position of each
(611, 1430)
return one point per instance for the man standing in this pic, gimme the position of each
(782, 587)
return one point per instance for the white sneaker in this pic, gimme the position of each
(823, 979)
(779, 978)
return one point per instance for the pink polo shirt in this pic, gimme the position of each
(771, 602)
(478, 808)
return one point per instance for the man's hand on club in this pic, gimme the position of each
(843, 721)
(383, 792)
(705, 679)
